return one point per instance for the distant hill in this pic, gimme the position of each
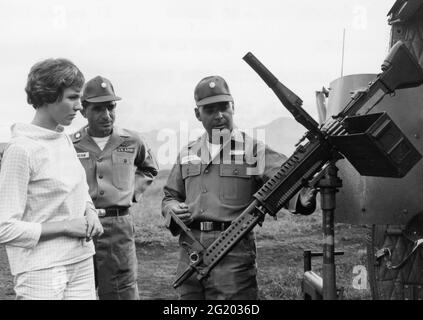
(280, 134)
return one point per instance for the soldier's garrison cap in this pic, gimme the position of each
(212, 89)
(99, 89)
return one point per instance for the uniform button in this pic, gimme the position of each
(236, 172)
(204, 190)
(125, 160)
(206, 171)
(101, 177)
(202, 210)
(101, 193)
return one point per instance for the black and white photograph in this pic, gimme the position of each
(229, 151)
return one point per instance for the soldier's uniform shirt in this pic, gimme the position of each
(117, 176)
(220, 189)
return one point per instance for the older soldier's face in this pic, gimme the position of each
(216, 117)
(101, 117)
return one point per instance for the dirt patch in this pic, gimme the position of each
(156, 271)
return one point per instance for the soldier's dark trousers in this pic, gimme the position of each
(233, 278)
(116, 261)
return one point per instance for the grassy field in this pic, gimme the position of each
(280, 246)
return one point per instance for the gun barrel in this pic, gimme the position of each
(261, 70)
(288, 98)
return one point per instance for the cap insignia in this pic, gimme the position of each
(212, 84)
(103, 85)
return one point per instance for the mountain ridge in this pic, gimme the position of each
(280, 134)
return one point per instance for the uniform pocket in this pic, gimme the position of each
(235, 184)
(87, 162)
(123, 170)
(190, 170)
(190, 175)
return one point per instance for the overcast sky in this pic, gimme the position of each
(155, 52)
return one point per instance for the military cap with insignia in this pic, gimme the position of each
(212, 89)
(99, 89)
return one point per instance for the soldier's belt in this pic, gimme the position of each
(113, 212)
(209, 225)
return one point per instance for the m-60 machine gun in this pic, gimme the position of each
(372, 143)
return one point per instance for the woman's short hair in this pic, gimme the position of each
(48, 79)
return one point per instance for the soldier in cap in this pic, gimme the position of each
(119, 166)
(212, 182)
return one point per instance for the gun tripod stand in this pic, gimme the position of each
(313, 286)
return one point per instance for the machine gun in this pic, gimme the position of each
(373, 144)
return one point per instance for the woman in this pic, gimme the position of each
(46, 215)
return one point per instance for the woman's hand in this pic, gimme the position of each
(84, 227)
(76, 228)
(94, 227)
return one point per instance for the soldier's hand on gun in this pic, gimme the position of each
(182, 211)
(93, 227)
(308, 196)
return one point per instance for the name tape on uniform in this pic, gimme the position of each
(83, 155)
(237, 152)
(190, 158)
(125, 149)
